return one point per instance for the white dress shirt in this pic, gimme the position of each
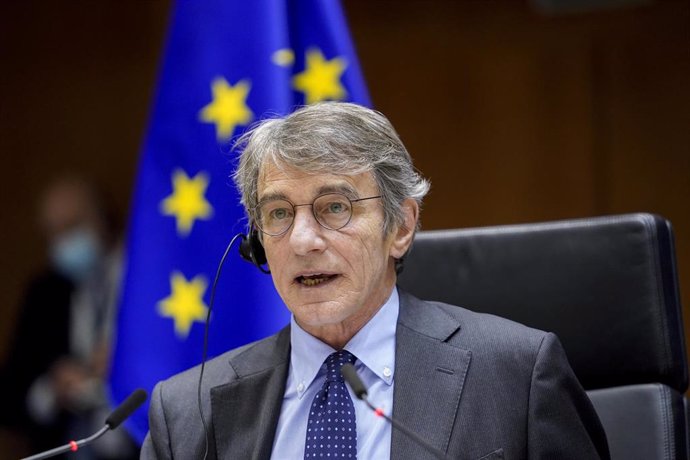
(374, 347)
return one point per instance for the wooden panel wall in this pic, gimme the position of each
(75, 88)
(76, 82)
(518, 117)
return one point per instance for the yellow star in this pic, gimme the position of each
(187, 202)
(321, 78)
(283, 57)
(228, 109)
(185, 303)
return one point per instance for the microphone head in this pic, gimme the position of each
(125, 409)
(350, 375)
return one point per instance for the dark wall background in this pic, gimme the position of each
(515, 115)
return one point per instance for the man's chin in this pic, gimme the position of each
(319, 314)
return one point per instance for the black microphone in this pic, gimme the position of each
(124, 410)
(360, 390)
(116, 417)
(350, 375)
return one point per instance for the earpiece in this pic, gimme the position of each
(252, 250)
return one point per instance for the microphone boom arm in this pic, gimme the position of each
(71, 446)
(116, 417)
(349, 373)
(437, 453)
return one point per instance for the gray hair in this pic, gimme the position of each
(338, 138)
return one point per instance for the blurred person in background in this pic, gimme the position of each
(53, 383)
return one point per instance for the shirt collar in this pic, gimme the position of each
(373, 345)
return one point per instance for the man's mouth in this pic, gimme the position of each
(314, 280)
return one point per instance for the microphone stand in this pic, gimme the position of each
(116, 417)
(71, 446)
(414, 436)
(349, 373)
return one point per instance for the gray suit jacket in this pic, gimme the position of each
(473, 385)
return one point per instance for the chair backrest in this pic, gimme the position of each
(645, 422)
(607, 286)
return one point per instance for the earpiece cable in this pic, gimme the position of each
(205, 348)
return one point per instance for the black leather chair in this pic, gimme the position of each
(606, 286)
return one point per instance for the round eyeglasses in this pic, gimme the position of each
(331, 210)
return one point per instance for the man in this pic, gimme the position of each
(335, 200)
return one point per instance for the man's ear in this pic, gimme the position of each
(405, 232)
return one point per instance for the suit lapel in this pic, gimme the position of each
(429, 377)
(245, 411)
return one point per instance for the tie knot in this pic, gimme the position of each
(335, 362)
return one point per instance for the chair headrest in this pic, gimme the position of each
(606, 286)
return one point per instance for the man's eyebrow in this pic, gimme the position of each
(273, 196)
(344, 188)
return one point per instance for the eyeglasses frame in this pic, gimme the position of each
(295, 206)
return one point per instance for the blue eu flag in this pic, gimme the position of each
(228, 64)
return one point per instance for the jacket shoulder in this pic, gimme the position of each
(480, 332)
(223, 368)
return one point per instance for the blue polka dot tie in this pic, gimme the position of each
(331, 430)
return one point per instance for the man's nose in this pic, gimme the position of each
(306, 234)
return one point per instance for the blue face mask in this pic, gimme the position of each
(76, 254)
